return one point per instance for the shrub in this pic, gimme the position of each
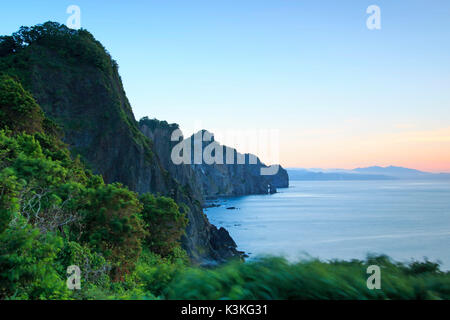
(112, 224)
(18, 109)
(27, 265)
(276, 278)
(164, 222)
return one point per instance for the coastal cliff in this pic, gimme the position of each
(77, 84)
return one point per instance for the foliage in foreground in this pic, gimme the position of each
(54, 213)
(276, 278)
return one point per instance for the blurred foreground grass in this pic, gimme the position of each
(276, 278)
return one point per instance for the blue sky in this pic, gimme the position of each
(340, 94)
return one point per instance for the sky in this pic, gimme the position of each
(338, 94)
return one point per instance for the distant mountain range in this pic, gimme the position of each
(368, 173)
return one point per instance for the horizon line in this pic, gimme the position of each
(384, 167)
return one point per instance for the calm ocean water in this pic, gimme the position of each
(343, 219)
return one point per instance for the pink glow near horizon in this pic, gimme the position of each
(422, 150)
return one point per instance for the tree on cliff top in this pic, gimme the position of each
(75, 45)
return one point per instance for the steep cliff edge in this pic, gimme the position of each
(78, 86)
(215, 179)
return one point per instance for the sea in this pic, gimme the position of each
(404, 219)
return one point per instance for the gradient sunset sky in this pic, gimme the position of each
(342, 96)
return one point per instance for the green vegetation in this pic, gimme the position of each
(54, 213)
(165, 223)
(155, 124)
(19, 111)
(275, 278)
(58, 37)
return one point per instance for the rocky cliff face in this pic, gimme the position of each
(77, 84)
(236, 179)
(215, 179)
(160, 133)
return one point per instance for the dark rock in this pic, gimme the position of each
(211, 205)
(223, 243)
